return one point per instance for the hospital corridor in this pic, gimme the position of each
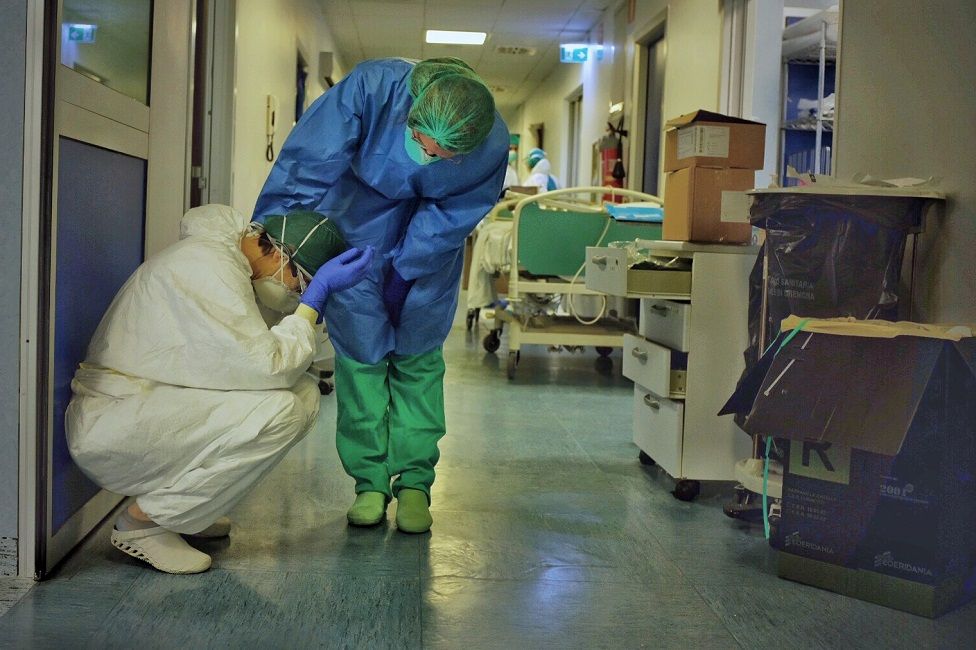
(436, 324)
(548, 534)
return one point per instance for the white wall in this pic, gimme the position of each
(12, 70)
(692, 77)
(269, 35)
(905, 108)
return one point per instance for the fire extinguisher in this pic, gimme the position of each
(612, 164)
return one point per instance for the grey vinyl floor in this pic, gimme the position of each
(547, 533)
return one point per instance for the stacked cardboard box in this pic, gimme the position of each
(706, 154)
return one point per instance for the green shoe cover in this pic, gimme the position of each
(413, 513)
(368, 509)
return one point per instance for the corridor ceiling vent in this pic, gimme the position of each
(517, 50)
(456, 38)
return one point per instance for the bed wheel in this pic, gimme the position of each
(492, 341)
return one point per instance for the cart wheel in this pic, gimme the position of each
(325, 387)
(472, 317)
(685, 490)
(492, 341)
(513, 359)
(604, 351)
(645, 459)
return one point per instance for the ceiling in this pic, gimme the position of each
(368, 29)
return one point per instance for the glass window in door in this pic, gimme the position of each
(109, 42)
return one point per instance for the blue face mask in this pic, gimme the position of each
(415, 151)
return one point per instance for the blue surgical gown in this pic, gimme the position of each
(345, 159)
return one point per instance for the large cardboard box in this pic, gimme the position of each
(707, 139)
(693, 205)
(879, 440)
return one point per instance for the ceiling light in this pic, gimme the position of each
(456, 38)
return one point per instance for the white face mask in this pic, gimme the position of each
(273, 294)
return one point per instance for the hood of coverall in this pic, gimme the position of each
(213, 221)
(542, 167)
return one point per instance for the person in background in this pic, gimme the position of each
(408, 158)
(186, 398)
(539, 172)
(511, 174)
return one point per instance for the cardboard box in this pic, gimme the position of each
(707, 139)
(879, 440)
(693, 205)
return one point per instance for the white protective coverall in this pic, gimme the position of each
(540, 176)
(186, 397)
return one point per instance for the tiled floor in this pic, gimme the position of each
(547, 534)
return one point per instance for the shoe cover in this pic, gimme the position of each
(161, 548)
(413, 513)
(369, 509)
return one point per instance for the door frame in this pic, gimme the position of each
(59, 101)
(654, 30)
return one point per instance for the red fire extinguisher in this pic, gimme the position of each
(611, 163)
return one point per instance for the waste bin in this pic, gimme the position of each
(828, 255)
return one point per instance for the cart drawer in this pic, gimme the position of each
(665, 321)
(607, 272)
(655, 367)
(658, 429)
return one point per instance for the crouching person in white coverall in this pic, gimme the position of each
(186, 397)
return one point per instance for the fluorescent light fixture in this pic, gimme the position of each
(456, 38)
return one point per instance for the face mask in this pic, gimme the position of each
(273, 294)
(415, 151)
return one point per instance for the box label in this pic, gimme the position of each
(700, 140)
(822, 461)
(735, 206)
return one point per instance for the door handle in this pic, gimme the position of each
(639, 354)
(600, 260)
(660, 310)
(652, 403)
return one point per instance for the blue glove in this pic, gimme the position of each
(394, 294)
(339, 273)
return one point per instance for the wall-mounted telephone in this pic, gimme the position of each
(270, 117)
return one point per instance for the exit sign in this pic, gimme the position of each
(81, 33)
(574, 53)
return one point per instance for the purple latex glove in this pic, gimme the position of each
(339, 273)
(395, 291)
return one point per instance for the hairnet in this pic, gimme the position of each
(309, 238)
(535, 155)
(452, 105)
(428, 70)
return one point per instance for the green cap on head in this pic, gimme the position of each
(309, 238)
(451, 104)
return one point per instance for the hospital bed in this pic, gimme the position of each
(549, 236)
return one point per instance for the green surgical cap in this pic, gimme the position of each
(309, 238)
(451, 104)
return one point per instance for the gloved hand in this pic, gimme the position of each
(394, 294)
(339, 273)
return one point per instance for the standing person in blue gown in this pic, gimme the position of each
(407, 158)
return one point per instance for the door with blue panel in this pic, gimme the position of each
(99, 162)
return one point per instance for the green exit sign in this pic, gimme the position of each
(81, 33)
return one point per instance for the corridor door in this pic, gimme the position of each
(118, 169)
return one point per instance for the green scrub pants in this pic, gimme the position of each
(390, 417)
